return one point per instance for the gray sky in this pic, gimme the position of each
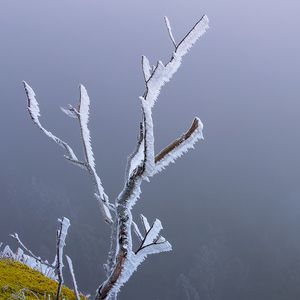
(230, 208)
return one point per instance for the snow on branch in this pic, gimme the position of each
(34, 263)
(70, 264)
(137, 231)
(180, 146)
(60, 244)
(16, 237)
(170, 31)
(82, 114)
(70, 111)
(34, 111)
(84, 111)
(149, 163)
(146, 68)
(192, 36)
(152, 242)
(145, 223)
(142, 164)
(136, 159)
(163, 73)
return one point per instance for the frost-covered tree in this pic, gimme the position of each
(143, 163)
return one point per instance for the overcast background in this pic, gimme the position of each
(230, 208)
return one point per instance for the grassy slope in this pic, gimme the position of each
(16, 277)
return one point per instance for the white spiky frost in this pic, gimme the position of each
(191, 38)
(152, 242)
(69, 112)
(34, 111)
(148, 139)
(137, 231)
(146, 68)
(83, 114)
(136, 159)
(151, 245)
(180, 149)
(29, 261)
(70, 264)
(61, 242)
(145, 223)
(155, 79)
(153, 233)
(170, 30)
(156, 248)
(84, 111)
(163, 74)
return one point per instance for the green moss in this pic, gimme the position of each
(17, 279)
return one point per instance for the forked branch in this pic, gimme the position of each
(89, 164)
(62, 233)
(143, 164)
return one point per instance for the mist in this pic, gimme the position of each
(230, 208)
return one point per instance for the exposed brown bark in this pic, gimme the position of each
(106, 288)
(178, 141)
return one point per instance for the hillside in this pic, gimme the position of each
(18, 281)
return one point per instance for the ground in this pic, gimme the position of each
(17, 281)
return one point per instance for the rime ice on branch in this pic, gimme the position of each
(142, 164)
(61, 235)
(82, 114)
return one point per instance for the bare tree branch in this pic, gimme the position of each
(70, 264)
(136, 159)
(142, 164)
(83, 116)
(34, 111)
(146, 68)
(178, 147)
(126, 261)
(60, 244)
(170, 31)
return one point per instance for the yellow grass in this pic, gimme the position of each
(17, 280)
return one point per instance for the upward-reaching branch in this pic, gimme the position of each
(142, 164)
(62, 233)
(170, 31)
(89, 164)
(34, 111)
(83, 117)
(180, 146)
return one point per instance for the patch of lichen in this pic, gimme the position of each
(16, 278)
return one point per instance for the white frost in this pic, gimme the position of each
(100, 195)
(34, 111)
(153, 233)
(61, 242)
(181, 148)
(148, 139)
(145, 223)
(146, 68)
(190, 39)
(69, 112)
(29, 261)
(137, 231)
(170, 31)
(70, 264)
(163, 74)
(136, 159)
(84, 110)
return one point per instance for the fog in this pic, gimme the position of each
(230, 208)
